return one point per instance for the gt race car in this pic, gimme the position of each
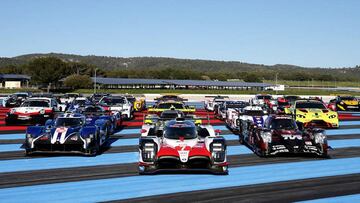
(182, 146)
(118, 103)
(313, 113)
(281, 134)
(32, 111)
(168, 105)
(344, 103)
(138, 103)
(68, 133)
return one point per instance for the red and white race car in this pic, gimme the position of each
(32, 111)
(181, 146)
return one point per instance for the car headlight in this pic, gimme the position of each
(332, 116)
(28, 135)
(42, 111)
(148, 152)
(266, 136)
(91, 136)
(12, 111)
(218, 151)
(342, 103)
(320, 138)
(300, 116)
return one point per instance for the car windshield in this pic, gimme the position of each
(171, 115)
(236, 105)
(93, 109)
(21, 95)
(79, 102)
(291, 98)
(35, 103)
(283, 124)
(310, 105)
(254, 112)
(170, 105)
(177, 132)
(267, 97)
(131, 99)
(348, 98)
(113, 101)
(68, 122)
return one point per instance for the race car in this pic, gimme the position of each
(167, 105)
(170, 97)
(68, 97)
(95, 98)
(32, 111)
(158, 122)
(313, 113)
(94, 112)
(78, 103)
(282, 103)
(344, 103)
(251, 114)
(139, 103)
(16, 99)
(281, 134)
(182, 146)
(211, 102)
(118, 103)
(227, 107)
(68, 133)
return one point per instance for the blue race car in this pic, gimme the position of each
(69, 132)
(95, 112)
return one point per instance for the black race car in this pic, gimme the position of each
(281, 134)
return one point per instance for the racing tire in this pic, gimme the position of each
(146, 171)
(241, 139)
(27, 152)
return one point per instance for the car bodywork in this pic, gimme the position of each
(118, 103)
(313, 113)
(211, 102)
(181, 146)
(228, 107)
(344, 103)
(281, 134)
(70, 132)
(168, 105)
(32, 111)
(250, 114)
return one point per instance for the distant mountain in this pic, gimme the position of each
(205, 66)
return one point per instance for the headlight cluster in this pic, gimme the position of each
(148, 152)
(42, 111)
(332, 116)
(12, 111)
(300, 116)
(89, 139)
(218, 151)
(320, 138)
(266, 136)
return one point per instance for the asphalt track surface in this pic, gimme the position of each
(113, 176)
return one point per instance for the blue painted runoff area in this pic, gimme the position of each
(343, 131)
(338, 199)
(12, 136)
(348, 123)
(142, 186)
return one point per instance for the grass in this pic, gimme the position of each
(315, 83)
(288, 91)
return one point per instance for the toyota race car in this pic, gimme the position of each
(67, 133)
(313, 113)
(32, 111)
(182, 146)
(281, 134)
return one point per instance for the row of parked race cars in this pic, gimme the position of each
(173, 137)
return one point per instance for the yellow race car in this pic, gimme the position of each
(344, 103)
(171, 105)
(138, 103)
(313, 113)
(167, 115)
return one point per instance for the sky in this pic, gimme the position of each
(311, 33)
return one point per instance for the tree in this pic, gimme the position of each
(252, 77)
(78, 81)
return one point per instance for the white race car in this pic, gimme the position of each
(32, 111)
(253, 114)
(181, 145)
(211, 102)
(118, 103)
(228, 106)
